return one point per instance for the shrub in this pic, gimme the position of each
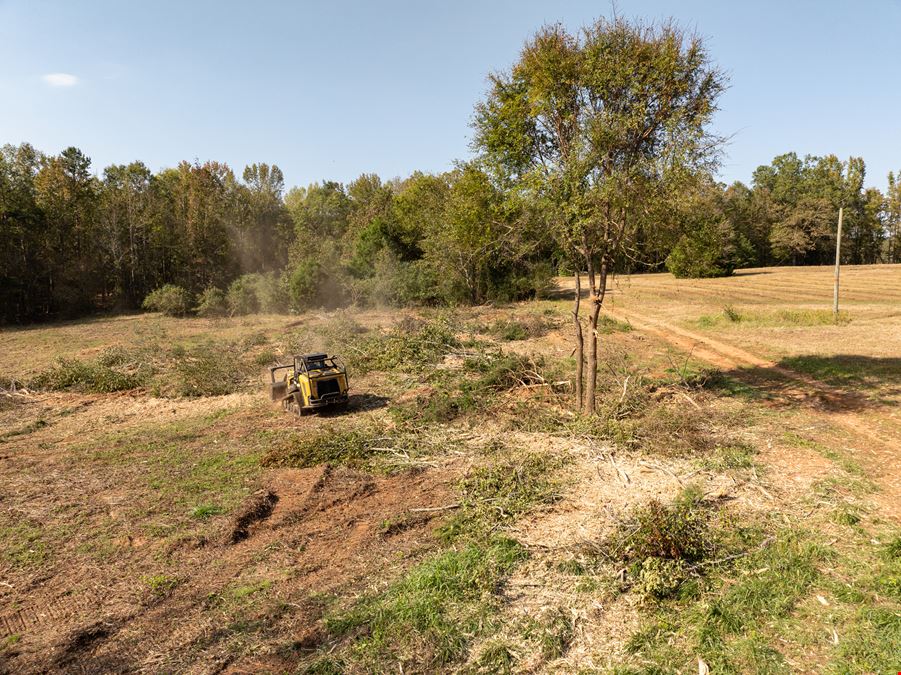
(434, 408)
(706, 251)
(88, 377)
(211, 303)
(242, 296)
(521, 328)
(662, 543)
(732, 314)
(504, 371)
(211, 370)
(272, 293)
(170, 300)
(659, 577)
(678, 531)
(410, 346)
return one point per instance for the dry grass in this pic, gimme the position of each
(142, 532)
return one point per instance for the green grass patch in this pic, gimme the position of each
(431, 615)
(159, 585)
(552, 632)
(184, 473)
(736, 456)
(868, 615)
(857, 482)
(718, 382)
(731, 316)
(10, 641)
(497, 656)
(608, 325)
(734, 618)
(241, 592)
(205, 511)
(24, 541)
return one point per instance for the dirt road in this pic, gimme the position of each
(878, 451)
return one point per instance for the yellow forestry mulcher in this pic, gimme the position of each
(312, 382)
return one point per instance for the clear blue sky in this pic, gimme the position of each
(335, 89)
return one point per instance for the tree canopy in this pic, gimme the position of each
(601, 128)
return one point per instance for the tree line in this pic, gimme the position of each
(788, 216)
(72, 243)
(592, 155)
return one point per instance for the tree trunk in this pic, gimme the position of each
(592, 355)
(597, 299)
(580, 342)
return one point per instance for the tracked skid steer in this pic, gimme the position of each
(312, 382)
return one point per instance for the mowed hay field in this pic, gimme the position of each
(780, 311)
(735, 502)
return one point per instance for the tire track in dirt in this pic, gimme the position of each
(324, 527)
(59, 609)
(882, 455)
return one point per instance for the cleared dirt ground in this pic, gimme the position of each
(144, 532)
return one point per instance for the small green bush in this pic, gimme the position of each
(732, 314)
(242, 296)
(170, 300)
(510, 330)
(659, 577)
(678, 531)
(211, 303)
(159, 584)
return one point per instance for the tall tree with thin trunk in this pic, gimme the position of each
(599, 128)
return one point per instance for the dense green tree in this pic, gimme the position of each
(66, 192)
(24, 271)
(72, 243)
(800, 199)
(201, 215)
(712, 243)
(125, 216)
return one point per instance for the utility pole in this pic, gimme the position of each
(838, 257)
